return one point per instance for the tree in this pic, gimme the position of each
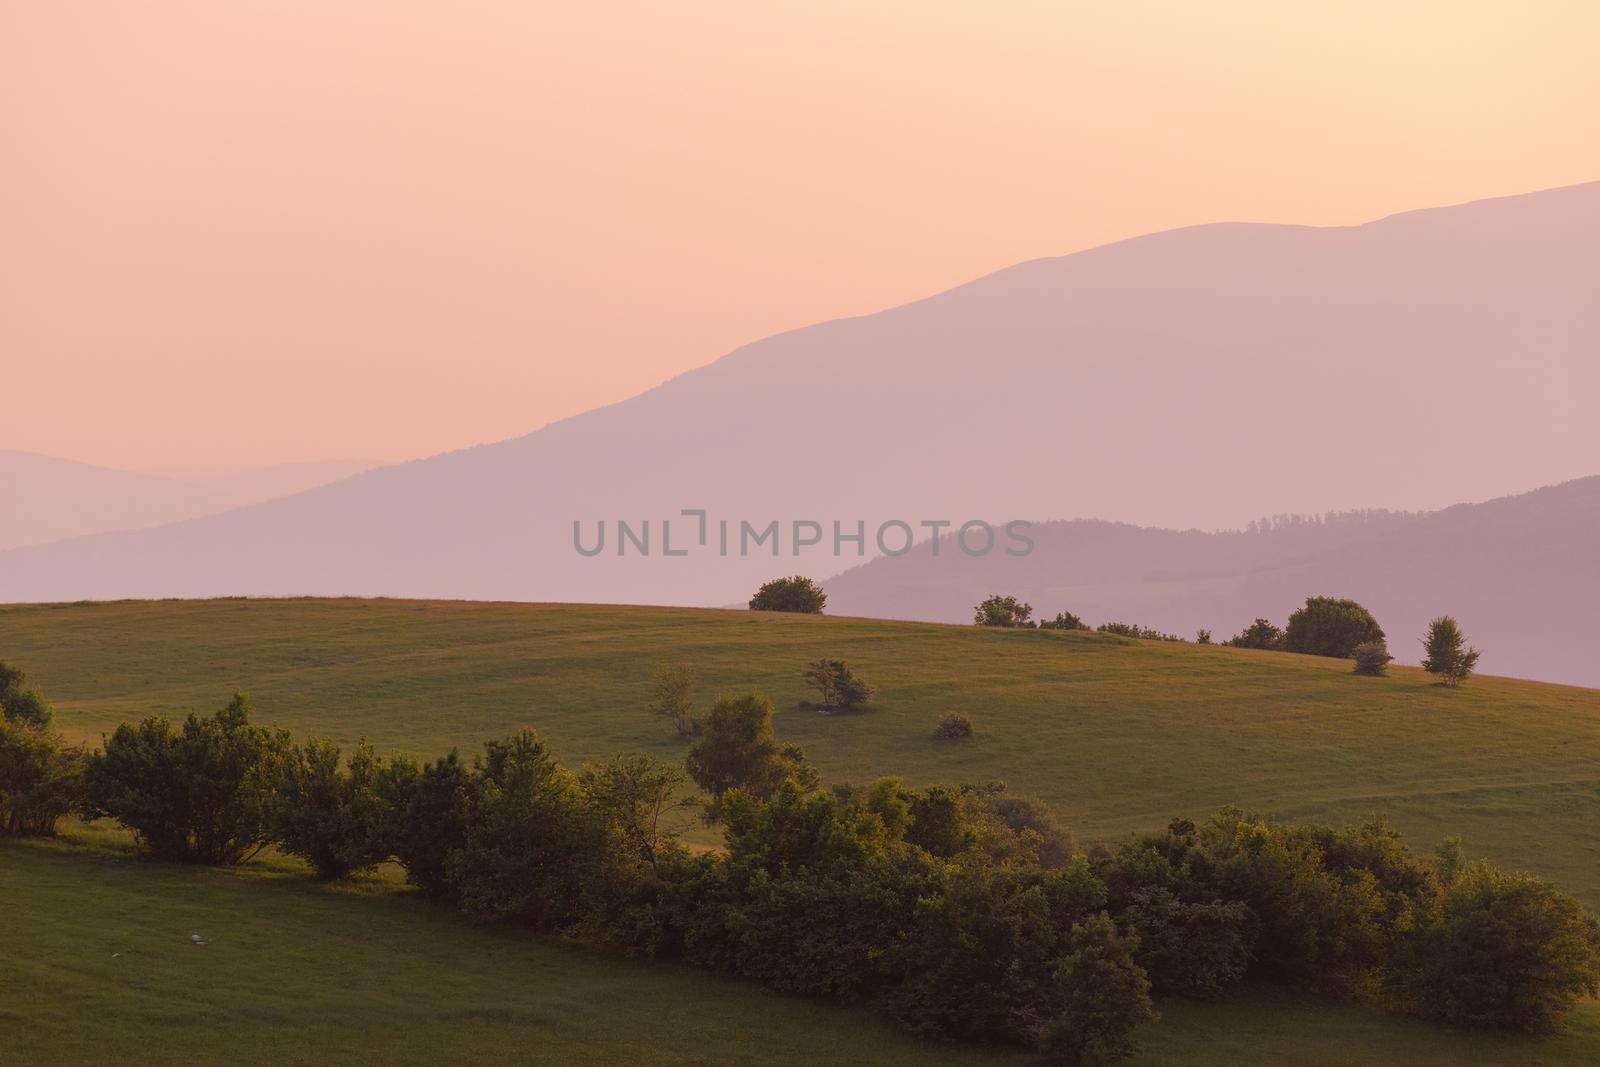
(630, 797)
(737, 750)
(838, 684)
(1509, 951)
(330, 815)
(1447, 653)
(428, 810)
(1202, 636)
(669, 697)
(797, 593)
(1328, 626)
(21, 701)
(1259, 634)
(1064, 620)
(529, 837)
(41, 779)
(1372, 658)
(1004, 611)
(199, 795)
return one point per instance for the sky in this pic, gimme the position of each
(248, 233)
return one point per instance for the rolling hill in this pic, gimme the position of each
(1187, 378)
(1117, 734)
(1522, 574)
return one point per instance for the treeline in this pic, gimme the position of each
(1327, 626)
(959, 912)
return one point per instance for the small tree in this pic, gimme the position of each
(331, 816)
(1329, 626)
(198, 795)
(797, 593)
(1372, 658)
(669, 697)
(1004, 611)
(838, 684)
(21, 701)
(41, 779)
(1259, 634)
(738, 750)
(1202, 637)
(1064, 620)
(1447, 653)
(630, 797)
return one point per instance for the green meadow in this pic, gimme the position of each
(1116, 734)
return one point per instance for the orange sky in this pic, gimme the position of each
(248, 232)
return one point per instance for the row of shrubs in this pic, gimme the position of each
(959, 912)
(1326, 626)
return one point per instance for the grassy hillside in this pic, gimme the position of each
(1117, 734)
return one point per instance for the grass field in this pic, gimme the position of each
(1116, 734)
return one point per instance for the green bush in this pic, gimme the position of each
(1447, 653)
(529, 837)
(1003, 611)
(1128, 629)
(331, 815)
(21, 701)
(428, 809)
(1328, 626)
(1259, 634)
(1190, 948)
(737, 750)
(797, 593)
(1510, 951)
(41, 779)
(200, 794)
(953, 727)
(669, 697)
(840, 687)
(1064, 620)
(1372, 658)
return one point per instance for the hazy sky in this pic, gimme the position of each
(241, 233)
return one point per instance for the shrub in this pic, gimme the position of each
(1259, 634)
(330, 815)
(21, 701)
(1372, 658)
(737, 750)
(1328, 626)
(198, 795)
(1064, 620)
(1004, 611)
(953, 727)
(1509, 951)
(428, 811)
(1447, 653)
(41, 779)
(841, 689)
(1202, 637)
(528, 840)
(1128, 629)
(797, 593)
(669, 697)
(1190, 949)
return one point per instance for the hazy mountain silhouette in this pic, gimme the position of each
(47, 499)
(1521, 573)
(1189, 378)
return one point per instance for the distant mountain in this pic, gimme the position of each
(43, 498)
(1182, 379)
(1521, 573)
